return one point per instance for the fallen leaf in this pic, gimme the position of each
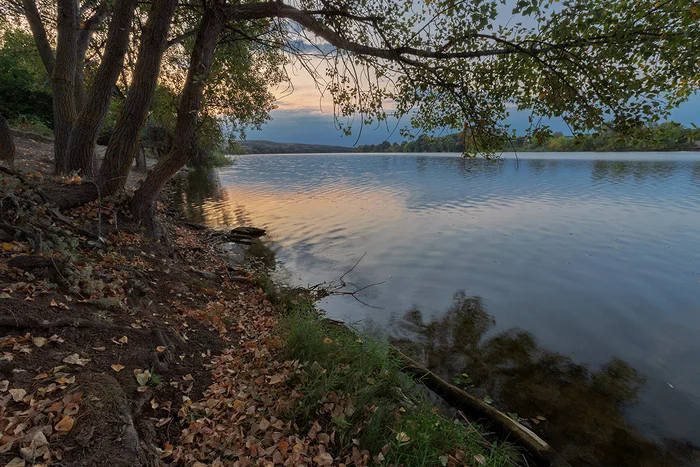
(160, 348)
(66, 424)
(166, 451)
(481, 460)
(99, 349)
(142, 377)
(18, 394)
(117, 367)
(53, 303)
(402, 438)
(238, 405)
(323, 459)
(124, 340)
(64, 380)
(5, 295)
(7, 246)
(74, 359)
(16, 462)
(4, 384)
(276, 379)
(327, 340)
(7, 445)
(40, 341)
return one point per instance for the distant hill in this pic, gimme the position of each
(271, 147)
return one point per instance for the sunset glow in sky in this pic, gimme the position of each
(305, 116)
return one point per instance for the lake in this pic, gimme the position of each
(582, 269)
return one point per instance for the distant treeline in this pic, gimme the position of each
(670, 136)
(271, 147)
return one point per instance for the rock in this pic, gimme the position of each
(249, 232)
(234, 251)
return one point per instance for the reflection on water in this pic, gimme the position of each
(597, 256)
(583, 408)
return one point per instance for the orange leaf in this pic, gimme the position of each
(66, 424)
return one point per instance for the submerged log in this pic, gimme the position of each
(460, 399)
(470, 404)
(249, 232)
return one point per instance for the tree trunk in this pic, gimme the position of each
(7, 144)
(81, 144)
(122, 146)
(184, 144)
(140, 158)
(39, 33)
(84, 36)
(63, 80)
(70, 196)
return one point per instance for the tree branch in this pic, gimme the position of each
(181, 38)
(31, 12)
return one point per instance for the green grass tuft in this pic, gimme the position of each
(389, 413)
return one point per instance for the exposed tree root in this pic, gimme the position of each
(9, 321)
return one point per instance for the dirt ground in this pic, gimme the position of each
(104, 341)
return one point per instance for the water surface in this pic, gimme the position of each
(595, 257)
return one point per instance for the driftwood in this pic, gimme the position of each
(463, 400)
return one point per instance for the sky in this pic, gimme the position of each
(300, 118)
(306, 116)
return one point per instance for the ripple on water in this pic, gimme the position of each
(597, 255)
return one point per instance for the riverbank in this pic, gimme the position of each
(117, 350)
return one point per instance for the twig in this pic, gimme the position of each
(336, 287)
(464, 417)
(53, 261)
(352, 268)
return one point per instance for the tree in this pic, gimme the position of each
(184, 146)
(443, 65)
(87, 127)
(123, 143)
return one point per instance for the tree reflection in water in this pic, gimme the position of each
(584, 409)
